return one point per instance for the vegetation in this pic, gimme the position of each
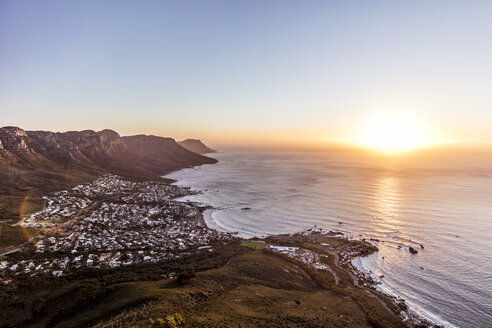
(171, 321)
(87, 296)
(186, 276)
(259, 288)
(231, 286)
(253, 244)
(238, 283)
(14, 235)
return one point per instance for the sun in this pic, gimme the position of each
(393, 133)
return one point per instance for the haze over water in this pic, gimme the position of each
(441, 201)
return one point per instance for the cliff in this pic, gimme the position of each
(196, 146)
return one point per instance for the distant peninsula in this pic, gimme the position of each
(196, 146)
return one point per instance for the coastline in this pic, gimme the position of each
(315, 259)
(362, 277)
(279, 205)
(362, 268)
(209, 222)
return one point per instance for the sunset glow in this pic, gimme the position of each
(338, 154)
(393, 133)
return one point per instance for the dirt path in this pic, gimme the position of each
(337, 280)
(357, 284)
(299, 269)
(381, 302)
(336, 261)
(77, 216)
(316, 257)
(11, 250)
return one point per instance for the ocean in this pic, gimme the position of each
(440, 200)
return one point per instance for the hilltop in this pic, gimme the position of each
(196, 146)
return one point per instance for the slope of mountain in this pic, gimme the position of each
(36, 162)
(196, 146)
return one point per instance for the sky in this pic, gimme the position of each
(247, 72)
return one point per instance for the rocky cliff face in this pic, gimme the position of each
(75, 141)
(14, 139)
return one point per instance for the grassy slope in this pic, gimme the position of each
(21, 187)
(20, 195)
(15, 235)
(259, 289)
(25, 186)
(236, 287)
(85, 296)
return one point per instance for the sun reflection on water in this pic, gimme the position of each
(388, 198)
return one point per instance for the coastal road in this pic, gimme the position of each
(11, 250)
(336, 261)
(316, 258)
(357, 284)
(14, 249)
(81, 213)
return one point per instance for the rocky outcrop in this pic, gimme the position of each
(14, 139)
(75, 141)
(196, 146)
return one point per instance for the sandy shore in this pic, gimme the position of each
(209, 222)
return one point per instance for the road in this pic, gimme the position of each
(81, 213)
(336, 260)
(11, 250)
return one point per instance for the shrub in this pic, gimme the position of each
(174, 320)
(178, 318)
(186, 276)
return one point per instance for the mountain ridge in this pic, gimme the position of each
(37, 162)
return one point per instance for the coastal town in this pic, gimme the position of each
(110, 222)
